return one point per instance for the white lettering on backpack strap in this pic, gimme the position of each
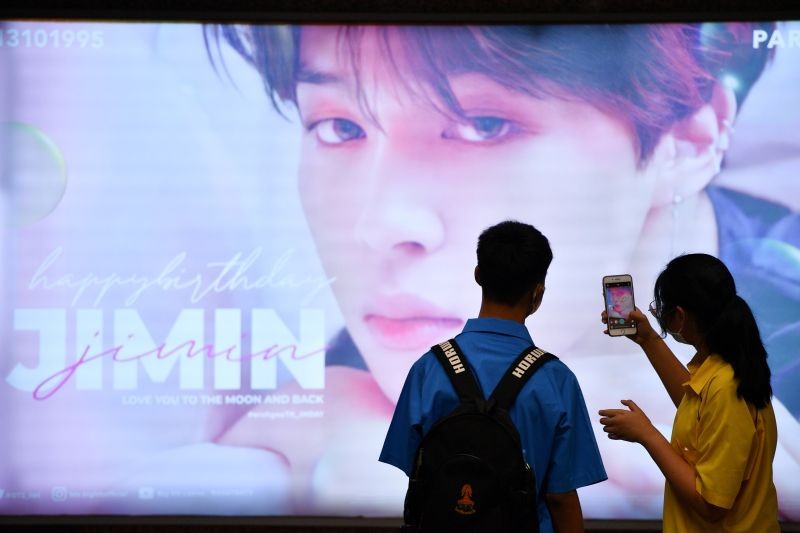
(452, 356)
(527, 361)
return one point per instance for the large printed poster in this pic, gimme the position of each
(224, 246)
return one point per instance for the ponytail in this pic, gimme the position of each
(735, 337)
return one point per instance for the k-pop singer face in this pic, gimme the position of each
(416, 138)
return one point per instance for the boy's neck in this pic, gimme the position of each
(517, 313)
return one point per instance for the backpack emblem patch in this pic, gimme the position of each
(465, 505)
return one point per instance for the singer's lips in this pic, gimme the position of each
(406, 322)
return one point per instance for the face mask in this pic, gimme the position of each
(677, 336)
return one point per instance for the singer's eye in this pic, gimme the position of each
(481, 129)
(337, 130)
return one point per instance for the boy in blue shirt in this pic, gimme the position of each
(549, 413)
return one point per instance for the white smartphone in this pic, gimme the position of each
(618, 295)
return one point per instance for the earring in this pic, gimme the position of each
(677, 200)
(727, 126)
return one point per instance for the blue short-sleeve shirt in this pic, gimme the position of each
(550, 412)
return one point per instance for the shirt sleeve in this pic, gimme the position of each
(724, 441)
(405, 431)
(575, 460)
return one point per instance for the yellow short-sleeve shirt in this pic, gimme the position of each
(731, 446)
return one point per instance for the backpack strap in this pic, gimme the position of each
(455, 366)
(520, 371)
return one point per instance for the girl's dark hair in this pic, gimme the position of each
(703, 286)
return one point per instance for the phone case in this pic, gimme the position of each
(618, 301)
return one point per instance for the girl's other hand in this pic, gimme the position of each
(629, 424)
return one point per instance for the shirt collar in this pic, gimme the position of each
(701, 373)
(500, 326)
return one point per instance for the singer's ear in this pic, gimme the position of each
(690, 154)
(478, 275)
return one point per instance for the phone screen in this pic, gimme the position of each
(619, 304)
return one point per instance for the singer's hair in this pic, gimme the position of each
(512, 259)
(650, 76)
(703, 286)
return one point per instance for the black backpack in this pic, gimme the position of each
(469, 473)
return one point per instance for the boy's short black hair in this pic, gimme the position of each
(513, 258)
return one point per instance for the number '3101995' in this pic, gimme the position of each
(55, 38)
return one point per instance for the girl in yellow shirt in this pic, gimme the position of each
(718, 465)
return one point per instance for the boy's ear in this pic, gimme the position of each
(538, 295)
(690, 154)
(477, 276)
